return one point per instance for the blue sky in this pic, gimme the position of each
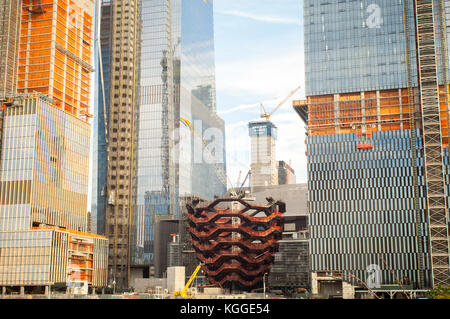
(259, 58)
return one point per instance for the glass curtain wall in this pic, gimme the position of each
(176, 116)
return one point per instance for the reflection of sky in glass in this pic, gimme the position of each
(186, 47)
(346, 51)
(360, 46)
(192, 41)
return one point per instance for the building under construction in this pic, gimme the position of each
(10, 11)
(45, 53)
(264, 167)
(156, 117)
(377, 114)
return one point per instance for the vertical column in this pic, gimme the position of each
(363, 113)
(336, 114)
(432, 137)
(378, 111)
(400, 108)
(51, 80)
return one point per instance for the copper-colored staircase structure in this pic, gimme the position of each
(235, 240)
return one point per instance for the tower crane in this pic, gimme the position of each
(266, 115)
(220, 172)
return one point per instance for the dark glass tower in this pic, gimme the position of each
(377, 119)
(176, 146)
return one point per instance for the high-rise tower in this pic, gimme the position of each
(55, 52)
(264, 166)
(377, 112)
(169, 131)
(44, 149)
(10, 11)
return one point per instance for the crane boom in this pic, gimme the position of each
(186, 287)
(220, 172)
(267, 116)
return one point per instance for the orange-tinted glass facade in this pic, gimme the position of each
(385, 110)
(55, 52)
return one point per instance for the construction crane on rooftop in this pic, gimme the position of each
(267, 116)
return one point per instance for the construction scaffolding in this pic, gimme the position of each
(432, 132)
(55, 52)
(413, 124)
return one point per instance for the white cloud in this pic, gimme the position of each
(263, 18)
(271, 76)
(254, 108)
(254, 68)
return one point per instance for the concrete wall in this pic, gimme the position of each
(294, 195)
(143, 285)
(176, 279)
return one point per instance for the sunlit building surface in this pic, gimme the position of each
(44, 150)
(180, 138)
(55, 52)
(378, 163)
(43, 175)
(55, 257)
(264, 167)
(157, 62)
(43, 199)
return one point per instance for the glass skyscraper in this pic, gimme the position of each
(370, 165)
(178, 127)
(178, 138)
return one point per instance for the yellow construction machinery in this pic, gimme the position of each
(183, 293)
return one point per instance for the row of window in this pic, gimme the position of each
(365, 205)
(377, 180)
(363, 156)
(363, 219)
(367, 245)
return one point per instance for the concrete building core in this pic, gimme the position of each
(263, 135)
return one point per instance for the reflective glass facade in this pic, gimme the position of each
(43, 168)
(102, 64)
(37, 250)
(353, 46)
(366, 213)
(177, 125)
(361, 80)
(41, 257)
